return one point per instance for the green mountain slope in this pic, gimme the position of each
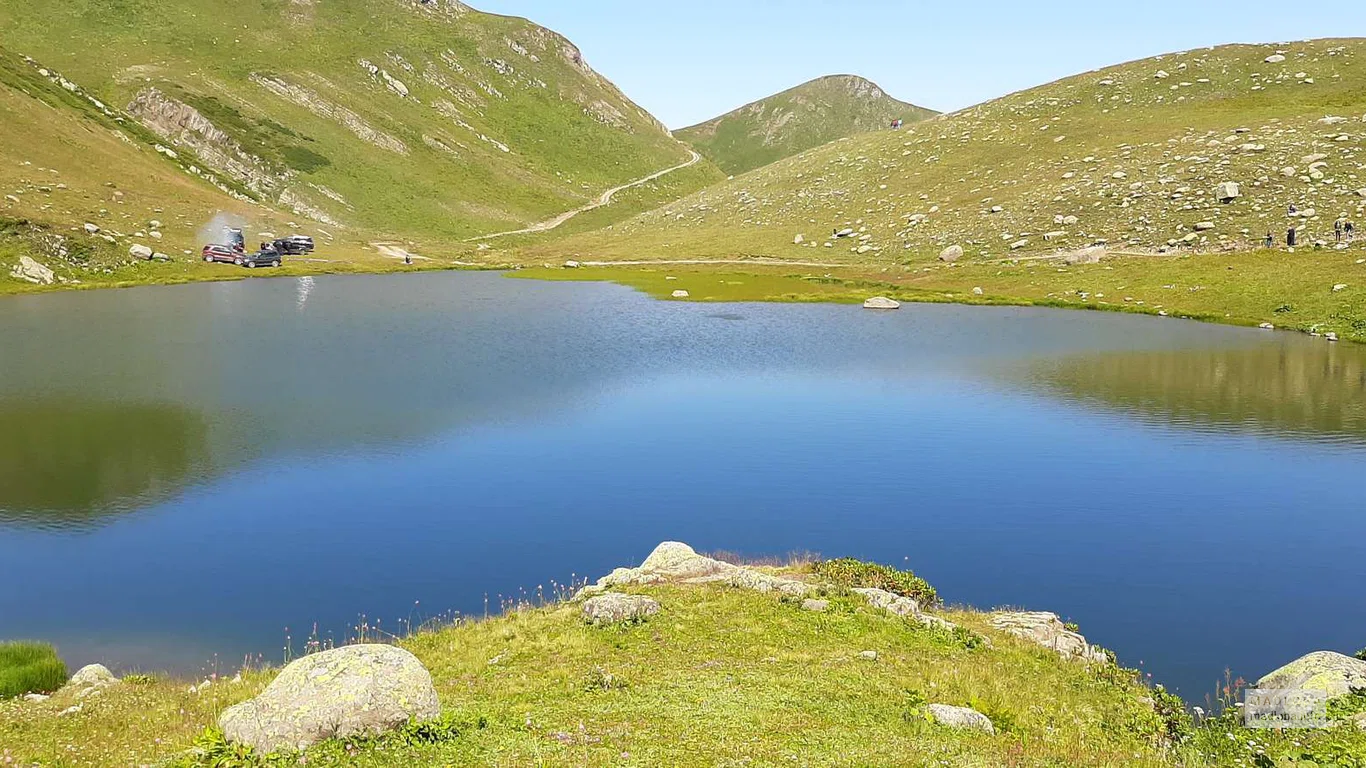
(1131, 157)
(404, 118)
(796, 120)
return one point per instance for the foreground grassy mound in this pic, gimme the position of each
(714, 675)
(796, 120)
(29, 668)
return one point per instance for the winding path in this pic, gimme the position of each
(604, 199)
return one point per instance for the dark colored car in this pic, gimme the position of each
(221, 253)
(266, 257)
(294, 245)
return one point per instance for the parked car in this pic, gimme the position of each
(294, 245)
(266, 257)
(221, 253)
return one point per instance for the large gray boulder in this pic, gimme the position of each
(92, 676)
(140, 251)
(951, 254)
(1322, 670)
(1227, 191)
(962, 718)
(358, 690)
(881, 302)
(674, 562)
(1048, 630)
(615, 608)
(31, 271)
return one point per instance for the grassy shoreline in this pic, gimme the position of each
(1299, 293)
(722, 675)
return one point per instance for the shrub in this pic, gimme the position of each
(1361, 654)
(29, 668)
(848, 572)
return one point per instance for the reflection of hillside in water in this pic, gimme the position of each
(1296, 388)
(64, 463)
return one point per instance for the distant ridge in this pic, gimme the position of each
(789, 123)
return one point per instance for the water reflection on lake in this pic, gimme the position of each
(193, 469)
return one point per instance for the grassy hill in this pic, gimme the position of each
(1131, 158)
(357, 120)
(796, 120)
(720, 675)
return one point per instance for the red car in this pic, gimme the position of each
(222, 254)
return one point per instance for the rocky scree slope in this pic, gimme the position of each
(798, 119)
(392, 117)
(1200, 151)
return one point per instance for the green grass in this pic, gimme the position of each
(29, 668)
(719, 677)
(798, 119)
(848, 572)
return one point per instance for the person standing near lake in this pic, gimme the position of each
(1350, 230)
(1290, 237)
(1270, 241)
(1337, 231)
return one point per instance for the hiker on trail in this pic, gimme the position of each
(1270, 241)
(1350, 230)
(1337, 230)
(1290, 237)
(407, 259)
(1293, 209)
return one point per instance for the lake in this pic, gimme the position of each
(190, 475)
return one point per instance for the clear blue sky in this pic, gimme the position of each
(690, 61)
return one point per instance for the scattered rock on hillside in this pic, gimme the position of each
(91, 229)
(881, 302)
(1227, 191)
(962, 718)
(140, 251)
(951, 254)
(818, 606)
(680, 294)
(868, 655)
(358, 690)
(36, 698)
(1047, 630)
(1322, 670)
(1091, 255)
(31, 271)
(615, 608)
(571, 264)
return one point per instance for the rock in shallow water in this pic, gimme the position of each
(359, 690)
(881, 302)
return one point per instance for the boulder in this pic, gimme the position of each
(571, 264)
(1047, 630)
(31, 271)
(1227, 191)
(615, 608)
(1274, 58)
(357, 690)
(799, 239)
(140, 251)
(962, 718)
(951, 254)
(818, 606)
(91, 229)
(1091, 255)
(673, 561)
(92, 676)
(1204, 226)
(680, 294)
(1322, 670)
(868, 655)
(881, 302)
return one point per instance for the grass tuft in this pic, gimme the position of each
(851, 573)
(29, 668)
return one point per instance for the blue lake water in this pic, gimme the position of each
(185, 472)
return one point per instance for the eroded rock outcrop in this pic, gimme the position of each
(1048, 630)
(358, 690)
(31, 271)
(616, 608)
(674, 562)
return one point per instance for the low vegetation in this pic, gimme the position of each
(720, 676)
(848, 572)
(29, 668)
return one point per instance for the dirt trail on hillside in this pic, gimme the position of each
(604, 199)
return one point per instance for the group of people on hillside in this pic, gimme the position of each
(1343, 230)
